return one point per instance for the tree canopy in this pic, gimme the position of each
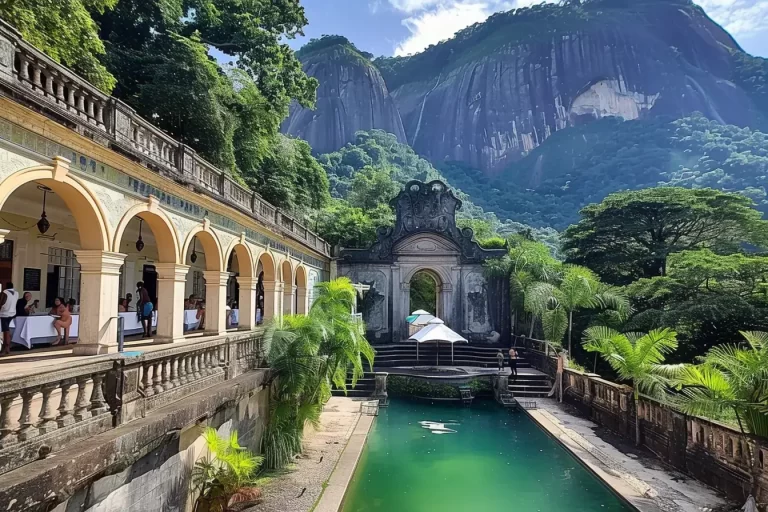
(631, 234)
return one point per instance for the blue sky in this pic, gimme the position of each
(402, 27)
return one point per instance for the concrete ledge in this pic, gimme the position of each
(646, 489)
(333, 496)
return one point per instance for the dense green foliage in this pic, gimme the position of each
(65, 31)
(156, 56)
(423, 293)
(631, 234)
(227, 475)
(410, 387)
(307, 355)
(731, 383)
(583, 164)
(316, 45)
(366, 175)
(637, 358)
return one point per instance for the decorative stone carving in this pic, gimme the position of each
(424, 208)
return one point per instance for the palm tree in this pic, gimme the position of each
(579, 288)
(731, 382)
(226, 477)
(307, 355)
(638, 358)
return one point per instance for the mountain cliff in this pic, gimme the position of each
(352, 96)
(499, 89)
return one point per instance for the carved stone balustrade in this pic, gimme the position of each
(46, 410)
(36, 80)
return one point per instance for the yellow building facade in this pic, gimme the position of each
(126, 203)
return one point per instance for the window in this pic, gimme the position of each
(63, 275)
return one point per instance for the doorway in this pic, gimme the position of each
(424, 288)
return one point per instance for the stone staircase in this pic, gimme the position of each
(530, 385)
(364, 388)
(404, 354)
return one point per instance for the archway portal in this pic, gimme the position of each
(424, 292)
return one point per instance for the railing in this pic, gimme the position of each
(716, 453)
(46, 411)
(33, 77)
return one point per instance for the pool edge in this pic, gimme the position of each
(332, 496)
(628, 494)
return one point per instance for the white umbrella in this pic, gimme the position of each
(420, 317)
(436, 331)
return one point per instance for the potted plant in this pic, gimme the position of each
(224, 480)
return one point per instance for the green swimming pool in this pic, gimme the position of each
(478, 459)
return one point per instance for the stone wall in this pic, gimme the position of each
(161, 479)
(712, 452)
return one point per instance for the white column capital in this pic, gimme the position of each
(172, 271)
(99, 262)
(215, 278)
(249, 283)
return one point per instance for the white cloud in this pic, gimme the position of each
(432, 21)
(433, 26)
(739, 17)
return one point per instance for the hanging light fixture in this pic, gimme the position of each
(43, 224)
(140, 242)
(193, 256)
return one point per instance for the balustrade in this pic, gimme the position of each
(32, 74)
(54, 408)
(39, 410)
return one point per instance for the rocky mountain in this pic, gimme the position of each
(499, 89)
(352, 96)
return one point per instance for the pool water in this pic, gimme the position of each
(496, 460)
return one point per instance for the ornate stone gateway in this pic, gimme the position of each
(425, 238)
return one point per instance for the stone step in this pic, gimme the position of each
(354, 393)
(531, 394)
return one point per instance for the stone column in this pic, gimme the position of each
(400, 303)
(99, 287)
(247, 302)
(446, 304)
(273, 292)
(303, 300)
(289, 305)
(215, 301)
(171, 282)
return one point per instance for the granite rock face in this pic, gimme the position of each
(498, 89)
(352, 96)
(495, 108)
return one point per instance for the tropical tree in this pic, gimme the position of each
(308, 355)
(730, 383)
(631, 234)
(637, 358)
(227, 476)
(579, 288)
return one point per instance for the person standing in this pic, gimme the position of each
(513, 362)
(8, 301)
(500, 359)
(144, 308)
(63, 323)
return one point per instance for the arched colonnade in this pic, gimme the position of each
(265, 280)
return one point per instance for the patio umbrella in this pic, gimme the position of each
(436, 331)
(419, 317)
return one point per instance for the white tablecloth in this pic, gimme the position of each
(131, 324)
(190, 319)
(29, 330)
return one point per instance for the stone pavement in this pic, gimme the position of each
(325, 467)
(636, 475)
